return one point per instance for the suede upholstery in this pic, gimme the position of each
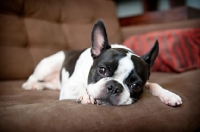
(33, 29)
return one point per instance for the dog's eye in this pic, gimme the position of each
(135, 86)
(102, 70)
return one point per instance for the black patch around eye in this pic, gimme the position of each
(141, 69)
(136, 95)
(135, 85)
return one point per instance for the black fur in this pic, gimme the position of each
(70, 61)
(150, 56)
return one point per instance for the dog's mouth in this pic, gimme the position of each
(108, 102)
(102, 102)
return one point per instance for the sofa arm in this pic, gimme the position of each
(137, 30)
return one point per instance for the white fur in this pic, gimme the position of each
(75, 86)
(65, 76)
(47, 71)
(165, 96)
(124, 68)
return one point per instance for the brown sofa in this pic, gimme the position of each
(33, 29)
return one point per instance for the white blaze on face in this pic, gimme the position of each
(125, 66)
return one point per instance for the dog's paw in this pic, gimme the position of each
(85, 99)
(170, 98)
(32, 86)
(26, 86)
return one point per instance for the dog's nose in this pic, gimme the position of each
(113, 87)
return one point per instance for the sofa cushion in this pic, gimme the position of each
(11, 94)
(12, 31)
(15, 63)
(45, 34)
(48, 26)
(19, 63)
(179, 49)
(41, 111)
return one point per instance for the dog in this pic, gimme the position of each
(103, 74)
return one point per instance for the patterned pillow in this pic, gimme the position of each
(179, 50)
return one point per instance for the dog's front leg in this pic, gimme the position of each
(165, 96)
(74, 91)
(84, 98)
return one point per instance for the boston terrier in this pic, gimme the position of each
(103, 74)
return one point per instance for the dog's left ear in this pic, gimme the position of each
(150, 57)
(99, 39)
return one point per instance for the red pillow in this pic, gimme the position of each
(179, 50)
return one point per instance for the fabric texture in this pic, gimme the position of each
(49, 26)
(39, 111)
(179, 50)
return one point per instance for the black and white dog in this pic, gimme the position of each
(103, 74)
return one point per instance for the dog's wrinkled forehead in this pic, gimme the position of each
(118, 61)
(121, 62)
(125, 66)
(113, 55)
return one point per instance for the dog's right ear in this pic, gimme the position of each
(99, 39)
(150, 57)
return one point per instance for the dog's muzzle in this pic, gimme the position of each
(109, 95)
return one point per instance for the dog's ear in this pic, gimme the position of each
(99, 39)
(150, 57)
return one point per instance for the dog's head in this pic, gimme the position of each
(117, 76)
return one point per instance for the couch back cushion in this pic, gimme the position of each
(33, 29)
